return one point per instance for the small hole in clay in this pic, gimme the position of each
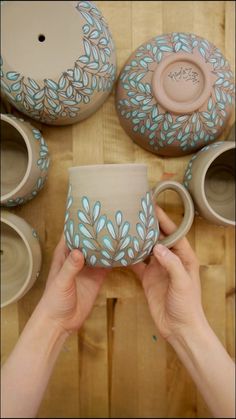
(41, 38)
(1, 252)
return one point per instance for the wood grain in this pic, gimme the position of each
(119, 366)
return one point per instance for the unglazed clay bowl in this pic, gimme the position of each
(24, 161)
(175, 94)
(210, 179)
(58, 61)
(110, 214)
(20, 257)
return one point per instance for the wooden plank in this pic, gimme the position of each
(9, 330)
(93, 365)
(213, 280)
(124, 391)
(207, 252)
(152, 364)
(147, 21)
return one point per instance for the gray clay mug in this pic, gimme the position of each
(110, 214)
(20, 257)
(210, 179)
(24, 161)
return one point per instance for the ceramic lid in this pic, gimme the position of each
(175, 94)
(57, 58)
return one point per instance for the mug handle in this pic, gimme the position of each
(187, 221)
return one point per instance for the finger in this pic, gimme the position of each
(71, 267)
(182, 248)
(59, 256)
(171, 263)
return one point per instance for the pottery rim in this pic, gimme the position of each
(202, 185)
(20, 292)
(23, 181)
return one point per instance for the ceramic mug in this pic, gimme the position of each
(210, 179)
(20, 257)
(65, 65)
(110, 213)
(24, 161)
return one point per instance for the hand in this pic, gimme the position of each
(71, 289)
(171, 284)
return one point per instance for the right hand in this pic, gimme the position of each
(71, 289)
(171, 284)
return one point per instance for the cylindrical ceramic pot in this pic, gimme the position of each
(24, 161)
(175, 94)
(210, 179)
(110, 214)
(58, 61)
(20, 257)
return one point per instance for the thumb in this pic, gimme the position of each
(71, 267)
(171, 263)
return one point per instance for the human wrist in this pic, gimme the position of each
(194, 331)
(50, 328)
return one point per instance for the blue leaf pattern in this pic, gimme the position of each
(85, 203)
(107, 242)
(101, 223)
(140, 107)
(96, 211)
(84, 231)
(188, 172)
(43, 163)
(82, 217)
(92, 72)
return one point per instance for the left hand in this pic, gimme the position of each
(71, 289)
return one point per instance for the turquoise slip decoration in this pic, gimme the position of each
(117, 246)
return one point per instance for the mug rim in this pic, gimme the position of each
(22, 289)
(109, 165)
(228, 146)
(17, 126)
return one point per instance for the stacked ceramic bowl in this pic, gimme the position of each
(24, 167)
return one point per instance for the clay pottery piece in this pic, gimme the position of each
(210, 179)
(24, 161)
(20, 257)
(175, 94)
(110, 213)
(231, 136)
(58, 59)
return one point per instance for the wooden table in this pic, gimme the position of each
(118, 365)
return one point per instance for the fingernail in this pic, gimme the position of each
(75, 255)
(160, 250)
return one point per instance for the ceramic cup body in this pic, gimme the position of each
(69, 86)
(110, 213)
(210, 179)
(175, 93)
(24, 161)
(20, 257)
